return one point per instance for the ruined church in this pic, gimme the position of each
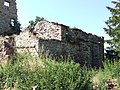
(49, 39)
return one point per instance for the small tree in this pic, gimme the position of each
(33, 23)
(113, 26)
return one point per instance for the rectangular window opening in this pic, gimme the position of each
(6, 3)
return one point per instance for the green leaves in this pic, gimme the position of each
(113, 24)
(33, 23)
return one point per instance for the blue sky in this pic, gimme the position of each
(88, 15)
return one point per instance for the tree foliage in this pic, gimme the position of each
(113, 26)
(33, 23)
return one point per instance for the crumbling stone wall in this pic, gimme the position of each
(6, 48)
(26, 42)
(8, 13)
(59, 41)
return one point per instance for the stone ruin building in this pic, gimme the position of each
(8, 14)
(48, 39)
(55, 40)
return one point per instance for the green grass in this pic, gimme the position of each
(45, 74)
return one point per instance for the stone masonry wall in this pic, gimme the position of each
(26, 42)
(90, 45)
(47, 30)
(8, 12)
(57, 49)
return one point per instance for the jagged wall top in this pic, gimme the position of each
(51, 30)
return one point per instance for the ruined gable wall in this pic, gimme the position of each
(6, 14)
(47, 30)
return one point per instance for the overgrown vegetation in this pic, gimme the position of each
(29, 72)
